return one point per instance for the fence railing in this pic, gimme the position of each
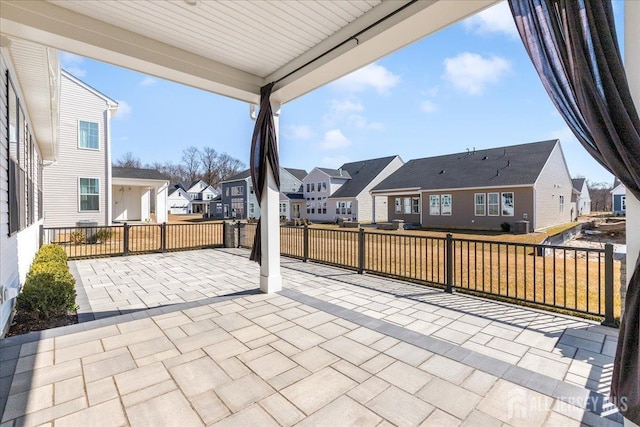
(575, 280)
(127, 239)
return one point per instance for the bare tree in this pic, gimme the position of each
(226, 166)
(191, 163)
(174, 173)
(128, 160)
(209, 161)
(600, 194)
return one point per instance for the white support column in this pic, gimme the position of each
(270, 277)
(632, 68)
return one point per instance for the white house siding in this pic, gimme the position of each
(127, 202)
(584, 201)
(16, 251)
(381, 213)
(365, 200)
(333, 185)
(61, 180)
(554, 181)
(178, 203)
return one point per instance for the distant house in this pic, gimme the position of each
(619, 198)
(580, 199)
(77, 187)
(483, 189)
(291, 205)
(136, 191)
(344, 192)
(238, 200)
(178, 201)
(201, 195)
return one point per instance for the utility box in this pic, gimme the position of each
(521, 227)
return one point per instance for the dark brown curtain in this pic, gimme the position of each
(574, 48)
(264, 153)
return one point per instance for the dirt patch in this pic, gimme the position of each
(23, 324)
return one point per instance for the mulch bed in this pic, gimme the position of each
(23, 323)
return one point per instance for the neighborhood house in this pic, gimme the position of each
(483, 189)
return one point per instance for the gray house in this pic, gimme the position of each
(580, 199)
(483, 189)
(238, 200)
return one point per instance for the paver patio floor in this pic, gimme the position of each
(185, 339)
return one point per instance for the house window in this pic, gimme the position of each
(415, 205)
(434, 204)
(623, 203)
(324, 186)
(252, 209)
(283, 209)
(493, 204)
(89, 194)
(407, 205)
(88, 135)
(561, 199)
(237, 208)
(507, 204)
(251, 189)
(480, 209)
(324, 207)
(308, 188)
(445, 209)
(237, 190)
(313, 187)
(398, 205)
(309, 207)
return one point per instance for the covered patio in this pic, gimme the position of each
(198, 345)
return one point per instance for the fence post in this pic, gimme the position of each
(305, 244)
(41, 235)
(163, 236)
(224, 233)
(361, 250)
(449, 263)
(608, 286)
(125, 238)
(238, 243)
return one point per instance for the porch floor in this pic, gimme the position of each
(185, 339)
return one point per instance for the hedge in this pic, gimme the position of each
(49, 289)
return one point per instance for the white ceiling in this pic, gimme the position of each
(234, 47)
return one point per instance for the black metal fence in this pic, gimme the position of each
(128, 239)
(575, 280)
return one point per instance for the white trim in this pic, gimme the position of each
(441, 190)
(499, 204)
(450, 205)
(502, 201)
(431, 211)
(475, 204)
(80, 194)
(395, 191)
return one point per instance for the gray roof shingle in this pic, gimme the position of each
(503, 166)
(336, 173)
(136, 173)
(298, 173)
(362, 173)
(577, 183)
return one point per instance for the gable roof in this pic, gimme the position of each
(136, 173)
(179, 190)
(300, 174)
(195, 182)
(503, 166)
(578, 183)
(335, 173)
(362, 173)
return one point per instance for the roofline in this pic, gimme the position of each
(395, 191)
(136, 180)
(491, 187)
(234, 180)
(113, 105)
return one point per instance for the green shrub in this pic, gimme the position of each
(48, 291)
(77, 237)
(506, 227)
(104, 234)
(51, 253)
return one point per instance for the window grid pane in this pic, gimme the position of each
(89, 135)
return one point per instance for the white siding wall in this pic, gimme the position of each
(17, 251)
(554, 181)
(61, 191)
(382, 213)
(365, 201)
(333, 185)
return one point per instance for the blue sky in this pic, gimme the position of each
(469, 85)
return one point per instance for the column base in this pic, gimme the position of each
(270, 284)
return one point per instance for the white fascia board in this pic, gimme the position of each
(134, 182)
(45, 23)
(395, 191)
(492, 187)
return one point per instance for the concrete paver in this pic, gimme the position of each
(315, 354)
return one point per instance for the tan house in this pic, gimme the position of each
(483, 189)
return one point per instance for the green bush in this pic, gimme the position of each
(49, 289)
(51, 253)
(104, 234)
(77, 237)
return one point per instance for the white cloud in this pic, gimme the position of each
(565, 135)
(428, 106)
(334, 140)
(345, 106)
(496, 19)
(124, 111)
(471, 72)
(299, 132)
(73, 64)
(148, 81)
(346, 112)
(334, 162)
(373, 76)
(361, 122)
